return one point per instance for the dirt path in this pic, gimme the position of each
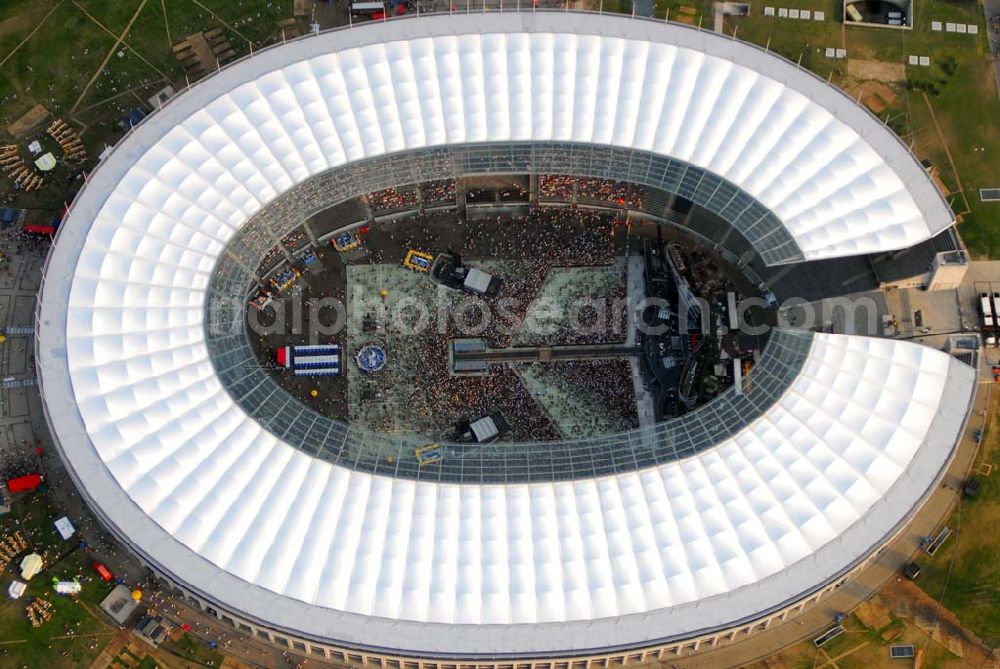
(32, 33)
(14, 24)
(110, 650)
(913, 604)
(831, 662)
(166, 23)
(111, 51)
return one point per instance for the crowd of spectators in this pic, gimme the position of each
(590, 308)
(17, 462)
(416, 391)
(609, 190)
(439, 400)
(295, 239)
(480, 195)
(19, 242)
(556, 187)
(515, 192)
(528, 247)
(419, 390)
(565, 187)
(393, 198)
(601, 391)
(270, 259)
(440, 191)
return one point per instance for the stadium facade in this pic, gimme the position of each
(308, 532)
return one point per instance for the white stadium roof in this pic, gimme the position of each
(237, 515)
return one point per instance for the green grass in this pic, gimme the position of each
(854, 635)
(966, 128)
(967, 108)
(663, 8)
(194, 649)
(44, 71)
(148, 663)
(794, 38)
(39, 648)
(965, 574)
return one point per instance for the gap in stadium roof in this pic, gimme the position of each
(592, 248)
(558, 329)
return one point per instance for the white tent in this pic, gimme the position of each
(68, 587)
(16, 589)
(31, 565)
(65, 528)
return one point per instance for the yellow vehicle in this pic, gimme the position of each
(346, 241)
(284, 278)
(429, 454)
(418, 261)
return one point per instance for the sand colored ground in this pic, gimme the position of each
(28, 122)
(873, 94)
(875, 69)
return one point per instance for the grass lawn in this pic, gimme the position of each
(147, 663)
(194, 649)
(41, 646)
(965, 574)
(967, 109)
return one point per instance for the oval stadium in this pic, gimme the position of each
(264, 359)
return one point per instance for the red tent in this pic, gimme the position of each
(35, 229)
(103, 571)
(24, 483)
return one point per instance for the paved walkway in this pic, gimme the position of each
(636, 291)
(20, 407)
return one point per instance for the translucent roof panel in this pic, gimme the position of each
(176, 467)
(840, 182)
